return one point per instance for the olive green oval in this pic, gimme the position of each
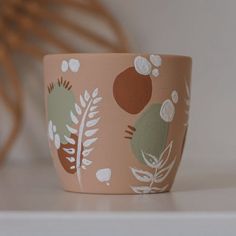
(151, 133)
(60, 103)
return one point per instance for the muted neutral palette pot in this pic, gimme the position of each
(117, 122)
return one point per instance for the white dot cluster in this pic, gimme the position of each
(148, 67)
(72, 64)
(167, 111)
(53, 136)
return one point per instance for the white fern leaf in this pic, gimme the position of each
(82, 102)
(93, 114)
(95, 93)
(89, 142)
(74, 118)
(143, 176)
(69, 140)
(71, 130)
(93, 108)
(70, 151)
(163, 173)
(97, 100)
(90, 132)
(70, 159)
(92, 123)
(78, 109)
(151, 161)
(86, 96)
(141, 189)
(159, 190)
(86, 122)
(86, 162)
(86, 152)
(164, 157)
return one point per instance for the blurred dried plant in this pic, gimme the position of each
(20, 19)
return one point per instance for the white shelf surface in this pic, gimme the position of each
(31, 200)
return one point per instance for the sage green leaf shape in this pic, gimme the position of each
(151, 133)
(60, 107)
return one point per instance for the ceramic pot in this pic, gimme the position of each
(117, 122)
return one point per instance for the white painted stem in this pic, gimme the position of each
(80, 137)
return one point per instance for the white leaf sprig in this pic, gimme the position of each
(161, 171)
(85, 119)
(141, 175)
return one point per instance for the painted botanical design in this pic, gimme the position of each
(104, 175)
(161, 165)
(132, 88)
(75, 124)
(72, 64)
(187, 101)
(53, 135)
(149, 133)
(148, 139)
(60, 103)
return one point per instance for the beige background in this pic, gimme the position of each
(204, 29)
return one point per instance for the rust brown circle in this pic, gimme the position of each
(132, 91)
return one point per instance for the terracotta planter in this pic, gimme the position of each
(117, 122)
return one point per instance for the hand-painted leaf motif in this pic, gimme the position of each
(69, 150)
(82, 102)
(78, 109)
(93, 108)
(86, 152)
(71, 130)
(161, 170)
(89, 142)
(81, 137)
(163, 173)
(142, 176)
(86, 162)
(92, 123)
(74, 118)
(67, 157)
(90, 132)
(141, 189)
(70, 159)
(69, 140)
(95, 93)
(164, 157)
(151, 161)
(97, 100)
(86, 96)
(93, 114)
(159, 190)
